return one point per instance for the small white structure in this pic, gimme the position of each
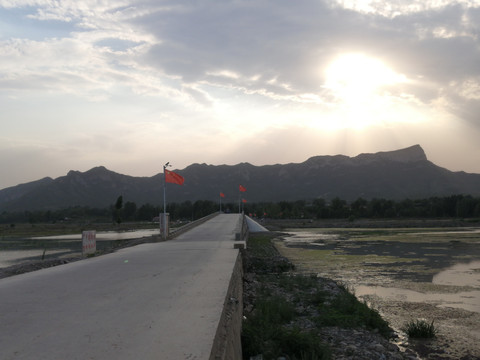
(89, 242)
(164, 219)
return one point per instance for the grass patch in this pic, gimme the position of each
(420, 329)
(289, 310)
(347, 311)
(266, 333)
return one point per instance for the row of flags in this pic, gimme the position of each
(174, 178)
(240, 188)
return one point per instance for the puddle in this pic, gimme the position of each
(460, 275)
(463, 274)
(464, 300)
(310, 238)
(107, 235)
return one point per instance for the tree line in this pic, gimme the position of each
(454, 206)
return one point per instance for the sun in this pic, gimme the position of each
(354, 77)
(359, 84)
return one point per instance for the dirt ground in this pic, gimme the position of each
(458, 330)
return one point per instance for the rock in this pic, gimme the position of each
(351, 350)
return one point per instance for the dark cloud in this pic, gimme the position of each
(292, 41)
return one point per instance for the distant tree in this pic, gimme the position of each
(359, 207)
(381, 208)
(476, 210)
(184, 211)
(118, 209)
(147, 212)
(320, 208)
(338, 208)
(450, 205)
(465, 206)
(203, 208)
(129, 210)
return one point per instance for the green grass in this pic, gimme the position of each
(282, 298)
(420, 329)
(347, 311)
(265, 333)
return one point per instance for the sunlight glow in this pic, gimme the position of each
(358, 87)
(354, 77)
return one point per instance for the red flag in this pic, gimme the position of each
(173, 177)
(222, 194)
(241, 188)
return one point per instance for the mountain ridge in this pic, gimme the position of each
(403, 173)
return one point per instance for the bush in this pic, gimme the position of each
(420, 329)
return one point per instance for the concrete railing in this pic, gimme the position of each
(227, 343)
(241, 233)
(180, 230)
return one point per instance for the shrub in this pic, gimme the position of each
(420, 329)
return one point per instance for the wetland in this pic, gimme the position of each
(404, 273)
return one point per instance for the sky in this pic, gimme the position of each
(133, 84)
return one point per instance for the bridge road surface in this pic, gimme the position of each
(151, 301)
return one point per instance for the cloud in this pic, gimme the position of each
(193, 45)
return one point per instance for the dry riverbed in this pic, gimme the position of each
(393, 271)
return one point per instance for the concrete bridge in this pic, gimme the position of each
(180, 299)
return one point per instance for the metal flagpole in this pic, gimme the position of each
(165, 201)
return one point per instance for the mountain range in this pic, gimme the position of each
(400, 174)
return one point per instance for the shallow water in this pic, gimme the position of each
(463, 274)
(107, 235)
(449, 259)
(468, 300)
(17, 250)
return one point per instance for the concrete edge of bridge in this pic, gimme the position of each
(227, 343)
(241, 233)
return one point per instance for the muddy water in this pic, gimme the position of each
(373, 261)
(405, 274)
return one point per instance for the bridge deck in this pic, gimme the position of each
(151, 301)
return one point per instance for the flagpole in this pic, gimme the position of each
(165, 201)
(240, 190)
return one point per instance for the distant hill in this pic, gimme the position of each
(399, 174)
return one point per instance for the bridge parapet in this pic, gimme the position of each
(182, 229)
(241, 233)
